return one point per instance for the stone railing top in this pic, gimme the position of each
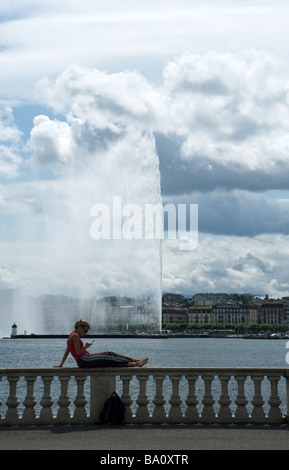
(112, 371)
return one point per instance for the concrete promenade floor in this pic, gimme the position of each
(145, 437)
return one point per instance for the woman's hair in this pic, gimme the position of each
(82, 323)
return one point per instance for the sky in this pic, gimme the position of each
(206, 82)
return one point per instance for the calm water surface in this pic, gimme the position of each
(172, 352)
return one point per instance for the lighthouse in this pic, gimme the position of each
(14, 330)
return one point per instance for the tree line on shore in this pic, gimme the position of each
(241, 328)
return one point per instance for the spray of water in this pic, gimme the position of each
(64, 271)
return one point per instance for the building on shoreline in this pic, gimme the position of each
(224, 314)
(225, 309)
(273, 312)
(174, 313)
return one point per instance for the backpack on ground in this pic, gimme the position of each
(113, 410)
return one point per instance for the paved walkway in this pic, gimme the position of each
(146, 437)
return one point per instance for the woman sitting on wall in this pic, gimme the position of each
(104, 359)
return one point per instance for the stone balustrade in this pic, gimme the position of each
(150, 395)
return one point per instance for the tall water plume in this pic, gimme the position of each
(63, 271)
(94, 149)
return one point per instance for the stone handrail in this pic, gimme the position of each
(150, 395)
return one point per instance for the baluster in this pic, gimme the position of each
(126, 398)
(192, 413)
(287, 395)
(0, 400)
(46, 415)
(63, 415)
(29, 415)
(274, 415)
(225, 413)
(159, 414)
(258, 415)
(142, 413)
(241, 415)
(208, 413)
(12, 402)
(80, 401)
(175, 414)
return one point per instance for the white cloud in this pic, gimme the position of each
(232, 264)
(104, 100)
(50, 141)
(227, 108)
(233, 108)
(10, 139)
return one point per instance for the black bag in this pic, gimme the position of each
(113, 410)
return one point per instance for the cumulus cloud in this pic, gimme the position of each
(10, 139)
(106, 101)
(100, 112)
(233, 264)
(51, 141)
(220, 119)
(235, 117)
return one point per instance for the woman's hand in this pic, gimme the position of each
(87, 345)
(63, 359)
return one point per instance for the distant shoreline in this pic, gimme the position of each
(144, 336)
(86, 336)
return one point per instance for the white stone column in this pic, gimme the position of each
(126, 398)
(63, 415)
(241, 414)
(12, 402)
(29, 415)
(258, 415)
(142, 412)
(159, 414)
(80, 401)
(208, 413)
(192, 414)
(274, 415)
(225, 413)
(175, 413)
(46, 415)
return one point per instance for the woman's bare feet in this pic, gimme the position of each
(143, 361)
(138, 362)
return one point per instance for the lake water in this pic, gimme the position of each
(171, 352)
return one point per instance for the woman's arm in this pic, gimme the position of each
(64, 358)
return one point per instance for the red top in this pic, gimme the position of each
(71, 348)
